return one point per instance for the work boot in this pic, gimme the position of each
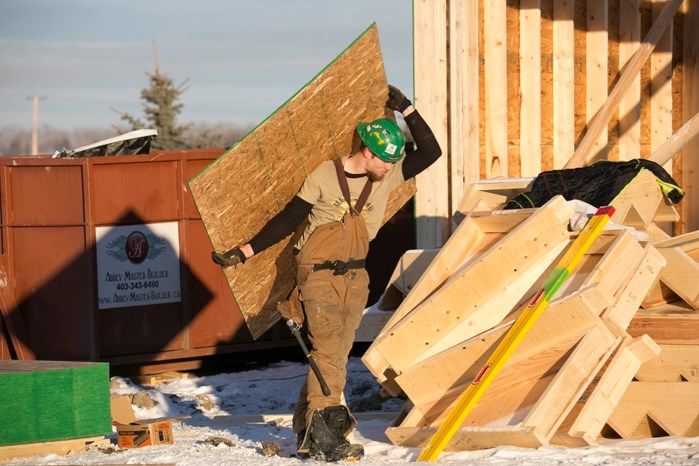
(327, 436)
(299, 438)
(301, 452)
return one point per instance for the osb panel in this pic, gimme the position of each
(253, 180)
(305, 116)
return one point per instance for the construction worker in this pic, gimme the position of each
(344, 201)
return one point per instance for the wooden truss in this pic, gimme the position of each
(610, 356)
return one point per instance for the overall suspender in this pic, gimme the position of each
(338, 266)
(342, 179)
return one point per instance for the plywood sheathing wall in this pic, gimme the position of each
(256, 178)
(510, 88)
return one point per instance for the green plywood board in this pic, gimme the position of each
(253, 180)
(53, 400)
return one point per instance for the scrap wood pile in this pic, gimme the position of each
(614, 355)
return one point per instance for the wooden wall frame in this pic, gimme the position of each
(482, 96)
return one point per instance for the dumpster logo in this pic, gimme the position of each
(136, 247)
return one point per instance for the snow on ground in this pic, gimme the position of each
(211, 400)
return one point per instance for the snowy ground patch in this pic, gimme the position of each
(209, 437)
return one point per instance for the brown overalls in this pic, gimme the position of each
(333, 302)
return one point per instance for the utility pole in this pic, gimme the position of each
(35, 122)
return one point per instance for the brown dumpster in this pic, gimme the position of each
(106, 259)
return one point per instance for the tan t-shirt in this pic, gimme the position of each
(322, 189)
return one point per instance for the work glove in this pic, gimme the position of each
(229, 258)
(397, 101)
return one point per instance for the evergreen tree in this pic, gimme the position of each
(161, 108)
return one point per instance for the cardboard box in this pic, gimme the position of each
(134, 434)
(144, 433)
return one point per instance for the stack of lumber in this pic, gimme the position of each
(615, 354)
(51, 406)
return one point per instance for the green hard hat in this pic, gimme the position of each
(384, 138)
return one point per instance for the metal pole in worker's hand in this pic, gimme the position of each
(295, 330)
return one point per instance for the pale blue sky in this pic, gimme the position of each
(243, 59)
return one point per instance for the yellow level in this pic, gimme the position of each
(515, 335)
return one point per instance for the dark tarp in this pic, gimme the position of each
(598, 184)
